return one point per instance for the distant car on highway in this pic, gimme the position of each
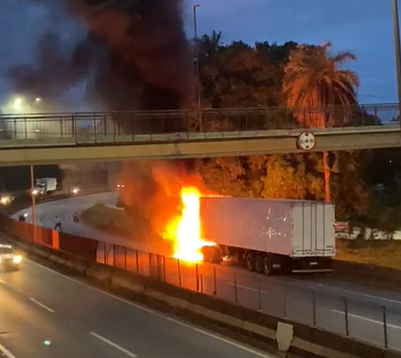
(342, 226)
(6, 199)
(9, 258)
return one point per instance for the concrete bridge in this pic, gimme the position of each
(63, 138)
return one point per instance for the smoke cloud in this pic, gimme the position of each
(152, 197)
(135, 55)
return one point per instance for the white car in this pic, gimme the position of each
(9, 258)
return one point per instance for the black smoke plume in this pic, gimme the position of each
(135, 55)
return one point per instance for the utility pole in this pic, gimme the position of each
(33, 211)
(197, 69)
(396, 24)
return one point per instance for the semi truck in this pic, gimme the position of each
(44, 186)
(269, 236)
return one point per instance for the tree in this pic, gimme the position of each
(292, 177)
(239, 74)
(208, 46)
(314, 84)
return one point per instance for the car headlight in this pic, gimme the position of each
(17, 259)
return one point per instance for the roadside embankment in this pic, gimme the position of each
(259, 329)
(107, 219)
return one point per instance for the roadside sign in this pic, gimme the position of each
(306, 141)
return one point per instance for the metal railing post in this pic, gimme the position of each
(215, 281)
(197, 277)
(285, 299)
(201, 283)
(179, 273)
(385, 326)
(314, 307)
(235, 289)
(346, 316)
(150, 266)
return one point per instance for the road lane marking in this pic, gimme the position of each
(114, 345)
(333, 288)
(327, 287)
(6, 352)
(248, 288)
(41, 305)
(366, 319)
(216, 336)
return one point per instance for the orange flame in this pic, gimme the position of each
(185, 229)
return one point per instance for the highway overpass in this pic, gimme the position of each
(63, 138)
(190, 145)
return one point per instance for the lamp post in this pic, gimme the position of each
(396, 24)
(197, 70)
(33, 212)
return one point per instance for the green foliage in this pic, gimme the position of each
(292, 177)
(287, 76)
(239, 75)
(224, 175)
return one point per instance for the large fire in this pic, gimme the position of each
(185, 229)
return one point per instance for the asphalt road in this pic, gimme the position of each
(65, 210)
(310, 299)
(45, 314)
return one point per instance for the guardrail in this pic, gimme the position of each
(356, 318)
(119, 123)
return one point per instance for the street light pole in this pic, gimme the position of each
(33, 212)
(197, 69)
(396, 24)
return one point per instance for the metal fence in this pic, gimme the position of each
(351, 315)
(119, 123)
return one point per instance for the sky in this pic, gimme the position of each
(361, 26)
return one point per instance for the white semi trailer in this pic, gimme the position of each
(269, 236)
(45, 186)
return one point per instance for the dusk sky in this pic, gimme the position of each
(361, 26)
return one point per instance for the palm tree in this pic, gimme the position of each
(208, 45)
(314, 84)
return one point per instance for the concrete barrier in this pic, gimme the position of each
(307, 341)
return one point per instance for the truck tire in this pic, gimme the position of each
(250, 262)
(259, 264)
(267, 266)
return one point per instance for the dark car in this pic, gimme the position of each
(9, 258)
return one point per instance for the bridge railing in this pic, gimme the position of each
(118, 123)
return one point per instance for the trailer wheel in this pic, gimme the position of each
(250, 262)
(259, 264)
(267, 266)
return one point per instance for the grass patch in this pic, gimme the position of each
(107, 219)
(382, 253)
